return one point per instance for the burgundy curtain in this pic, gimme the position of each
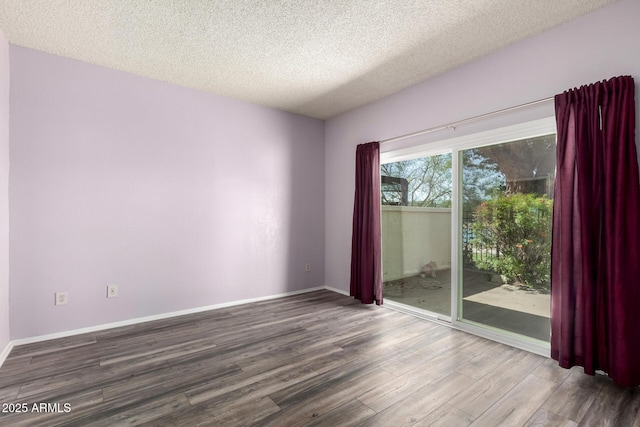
(366, 269)
(595, 257)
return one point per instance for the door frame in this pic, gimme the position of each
(416, 147)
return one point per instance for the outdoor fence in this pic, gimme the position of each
(473, 252)
(413, 237)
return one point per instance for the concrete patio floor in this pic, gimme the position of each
(506, 307)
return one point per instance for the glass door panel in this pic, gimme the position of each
(506, 208)
(416, 232)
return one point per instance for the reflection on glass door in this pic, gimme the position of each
(416, 232)
(506, 209)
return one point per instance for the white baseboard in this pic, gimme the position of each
(5, 353)
(129, 322)
(340, 291)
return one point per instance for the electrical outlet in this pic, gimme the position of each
(112, 291)
(61, 298)
(307, 267)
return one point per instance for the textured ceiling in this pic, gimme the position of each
(313, 57)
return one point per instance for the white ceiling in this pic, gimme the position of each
(313, 57)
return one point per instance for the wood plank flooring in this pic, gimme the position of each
(316, 359)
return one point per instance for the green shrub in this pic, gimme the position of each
(518, 229)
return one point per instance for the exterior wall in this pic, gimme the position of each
(413, 237)
(594, 47)
(181, 198)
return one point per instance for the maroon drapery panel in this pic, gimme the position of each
(595, 256)
(366, 269)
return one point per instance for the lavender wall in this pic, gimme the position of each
(591, 48)
(181, 198)
(4, 192)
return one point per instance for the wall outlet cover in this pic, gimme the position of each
(61, 298)
(112, 291)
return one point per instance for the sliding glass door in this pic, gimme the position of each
(507, 202)
(416, 232)
(466, 231)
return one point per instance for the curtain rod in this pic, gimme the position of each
(453, 125)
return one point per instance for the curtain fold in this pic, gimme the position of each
(595, 256)
(366, 269)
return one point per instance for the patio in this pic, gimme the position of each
(504, 306)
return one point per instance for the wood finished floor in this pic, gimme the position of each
(317, 359)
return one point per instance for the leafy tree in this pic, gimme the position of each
(525, 163)
(481, 179)
(429, 181)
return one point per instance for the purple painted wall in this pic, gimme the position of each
(594, 47)
(181, 198)
(4, 192)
